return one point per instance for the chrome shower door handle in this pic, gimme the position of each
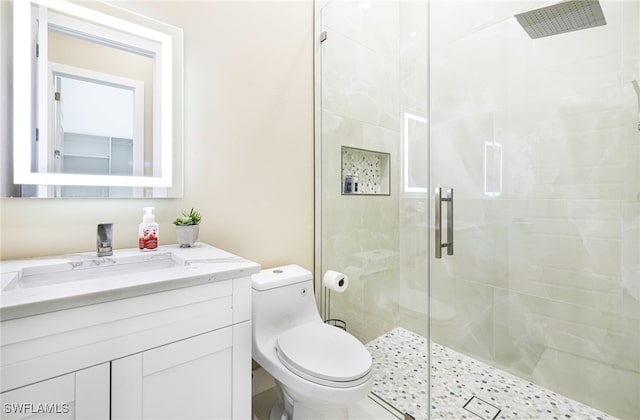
(449, 201)
(438, 222)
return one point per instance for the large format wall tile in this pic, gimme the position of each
(374, 64)
(372, 24)
(359, 83)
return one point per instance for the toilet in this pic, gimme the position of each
(320, 370)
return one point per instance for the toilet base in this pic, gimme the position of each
(287, 409)
(278, 413)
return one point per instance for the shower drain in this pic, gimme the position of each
(481, 408)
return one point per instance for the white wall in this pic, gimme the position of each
(248, 142)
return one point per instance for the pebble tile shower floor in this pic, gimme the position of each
(466, 388)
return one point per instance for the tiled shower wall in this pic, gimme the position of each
(546, 273)
(374, 70)
(361, 101)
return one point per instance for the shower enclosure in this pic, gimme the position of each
(538, 143)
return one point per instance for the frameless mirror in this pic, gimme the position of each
(97, 102)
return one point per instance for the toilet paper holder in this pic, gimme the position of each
(337, 323)
(333, 280)
(327, 311)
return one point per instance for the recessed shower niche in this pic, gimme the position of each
(365, 172)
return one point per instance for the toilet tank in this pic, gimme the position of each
(282, 298)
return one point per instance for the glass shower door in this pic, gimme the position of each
(539, 141)
(372, 130)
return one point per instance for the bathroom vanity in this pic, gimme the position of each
(164, 334)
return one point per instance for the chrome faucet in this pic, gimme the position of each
(104, 239)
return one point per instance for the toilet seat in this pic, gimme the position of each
(325, 355)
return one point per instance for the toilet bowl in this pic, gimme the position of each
(320, 370)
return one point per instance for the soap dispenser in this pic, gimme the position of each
(148, 231)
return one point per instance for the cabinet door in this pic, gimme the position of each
(190, 379)
(79, 395)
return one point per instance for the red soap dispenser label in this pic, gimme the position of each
(149, 238)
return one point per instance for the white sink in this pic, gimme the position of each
(87, 269)
(40, 285)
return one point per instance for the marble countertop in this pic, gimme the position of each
(200, 264)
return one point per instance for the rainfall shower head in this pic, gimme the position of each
(566, 16)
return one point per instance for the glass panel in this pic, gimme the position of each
(539, 139)
(373, 72)
(121, 156)
(95, 108)
(87, 154)
(85, 144)
(85, 165)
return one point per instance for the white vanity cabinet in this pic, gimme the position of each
(188, 379)
(173, 353)
(79, 395)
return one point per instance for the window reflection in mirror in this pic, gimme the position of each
(101, 90)
(95, 130)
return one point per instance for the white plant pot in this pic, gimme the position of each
(187, 235)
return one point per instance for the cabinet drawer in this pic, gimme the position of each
(44, 346)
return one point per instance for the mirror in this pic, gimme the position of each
(99, 109)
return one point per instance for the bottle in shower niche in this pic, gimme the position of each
(355, 184)
(148, 231)
(348, 184)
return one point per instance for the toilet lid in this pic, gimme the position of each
(324, 354)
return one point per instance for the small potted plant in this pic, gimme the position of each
(187, 228)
